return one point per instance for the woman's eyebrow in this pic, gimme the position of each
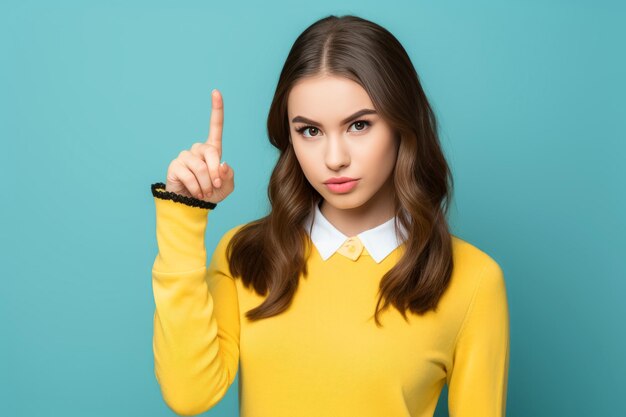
(360, 113)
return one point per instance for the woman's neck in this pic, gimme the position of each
(378, 210)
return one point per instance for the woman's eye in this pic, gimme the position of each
(302, 129)
(362, 123)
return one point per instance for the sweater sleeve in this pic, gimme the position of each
(477, 382)
(196, 318)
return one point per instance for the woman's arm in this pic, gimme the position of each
(196, 319)
(477, 382)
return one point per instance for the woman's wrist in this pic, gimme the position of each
(158, 190)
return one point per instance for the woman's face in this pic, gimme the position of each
(335, 132)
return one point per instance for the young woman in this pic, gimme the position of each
(358, 220)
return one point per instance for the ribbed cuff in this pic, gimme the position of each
(180, 232)
(158, 190)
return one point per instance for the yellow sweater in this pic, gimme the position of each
(324, 356)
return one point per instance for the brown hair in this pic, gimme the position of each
(270, 253)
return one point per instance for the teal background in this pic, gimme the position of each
(98, 97)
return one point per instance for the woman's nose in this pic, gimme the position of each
(337, 153)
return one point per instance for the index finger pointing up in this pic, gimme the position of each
(217, 120)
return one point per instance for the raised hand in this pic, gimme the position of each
(197, 172)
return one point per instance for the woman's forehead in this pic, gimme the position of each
(328, 98)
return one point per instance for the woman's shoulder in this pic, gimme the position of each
(468, 253)
(228, 235)
(474, 272)
(475, 264)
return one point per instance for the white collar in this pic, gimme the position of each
(379, 241)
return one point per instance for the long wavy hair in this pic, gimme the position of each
(270, 253)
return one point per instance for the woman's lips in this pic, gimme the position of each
(342, 187)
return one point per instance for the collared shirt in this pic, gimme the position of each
(379, 241)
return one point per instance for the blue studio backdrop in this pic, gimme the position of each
(98, 97)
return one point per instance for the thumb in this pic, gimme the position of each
(226, 172)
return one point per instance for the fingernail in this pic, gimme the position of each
(217, 182)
